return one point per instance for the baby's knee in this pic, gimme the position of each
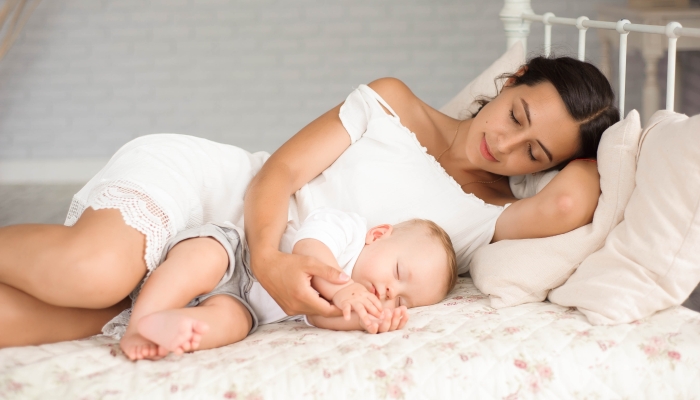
(205, 254)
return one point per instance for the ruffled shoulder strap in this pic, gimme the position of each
(361, 106)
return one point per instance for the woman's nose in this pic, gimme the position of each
(508, 142)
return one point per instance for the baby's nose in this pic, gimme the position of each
(389, 295)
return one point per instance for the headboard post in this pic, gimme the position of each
(516, 28)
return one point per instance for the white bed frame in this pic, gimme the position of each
(517, 16)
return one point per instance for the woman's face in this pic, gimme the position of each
(523, 130)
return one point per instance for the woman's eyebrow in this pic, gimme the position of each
(549, 155)
(527, 110)
(526, 107)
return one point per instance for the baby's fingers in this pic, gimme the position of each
(362, 314)
(376, 305)
(404, 317)
(396, 317)
(385, 323)
(372, 305)
(347, 310)
(371, 327)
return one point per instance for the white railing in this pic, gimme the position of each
(519, 10)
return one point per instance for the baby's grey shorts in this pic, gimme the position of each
(237, 279)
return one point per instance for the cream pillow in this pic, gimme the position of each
(514, 272)
(651, 260)
(462, 105)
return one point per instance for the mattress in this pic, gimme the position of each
(460, 348)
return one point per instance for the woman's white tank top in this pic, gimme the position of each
(386, 176)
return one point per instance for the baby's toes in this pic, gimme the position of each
(195, 341)
(150, 351)
(200, 327)
(162, 351)
(186, 346)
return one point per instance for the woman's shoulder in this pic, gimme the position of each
(397, 94)
(414, 112)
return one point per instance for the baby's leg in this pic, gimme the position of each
(193, 267)
(218, 321)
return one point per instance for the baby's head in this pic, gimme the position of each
(412, 263)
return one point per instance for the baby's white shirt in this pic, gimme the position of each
(343, 233)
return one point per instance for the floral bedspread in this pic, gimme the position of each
(460, 348)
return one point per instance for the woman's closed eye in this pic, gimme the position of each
(529, 152)
(512, 116)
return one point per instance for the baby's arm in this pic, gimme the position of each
(347, 296)
(390, 320)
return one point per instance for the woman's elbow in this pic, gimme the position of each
(572, 211)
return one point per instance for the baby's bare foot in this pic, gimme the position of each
(173, 331)
(137, 347)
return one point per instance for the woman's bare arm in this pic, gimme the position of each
(287, 277)
(566, 203)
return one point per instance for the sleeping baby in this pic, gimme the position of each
(203, 294)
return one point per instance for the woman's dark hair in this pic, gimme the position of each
(586, 92)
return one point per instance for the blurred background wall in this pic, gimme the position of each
(86, 76)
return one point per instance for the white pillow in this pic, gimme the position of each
(514, 272)
(462, 105)
(651, 260)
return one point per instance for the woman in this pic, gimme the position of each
(382, 153)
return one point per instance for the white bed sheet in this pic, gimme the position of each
(460, 348)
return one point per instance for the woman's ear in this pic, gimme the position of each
(510, 81)
(378, 232)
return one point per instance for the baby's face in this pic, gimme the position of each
(406, 268)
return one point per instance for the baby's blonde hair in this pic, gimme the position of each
(435, 231)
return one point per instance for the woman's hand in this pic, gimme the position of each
(287, 278)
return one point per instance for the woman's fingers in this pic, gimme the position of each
(293, 287)
(310, 303)
(326, 272)
(306, 300)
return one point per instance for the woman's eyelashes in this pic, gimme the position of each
(529, 152)
(512, 116)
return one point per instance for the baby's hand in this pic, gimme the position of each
(356, 297)
(393, 319)
(390, 320)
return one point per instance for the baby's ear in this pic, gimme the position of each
(378, 232)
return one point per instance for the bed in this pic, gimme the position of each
(460, 348)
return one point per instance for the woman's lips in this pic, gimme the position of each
(484, 148)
